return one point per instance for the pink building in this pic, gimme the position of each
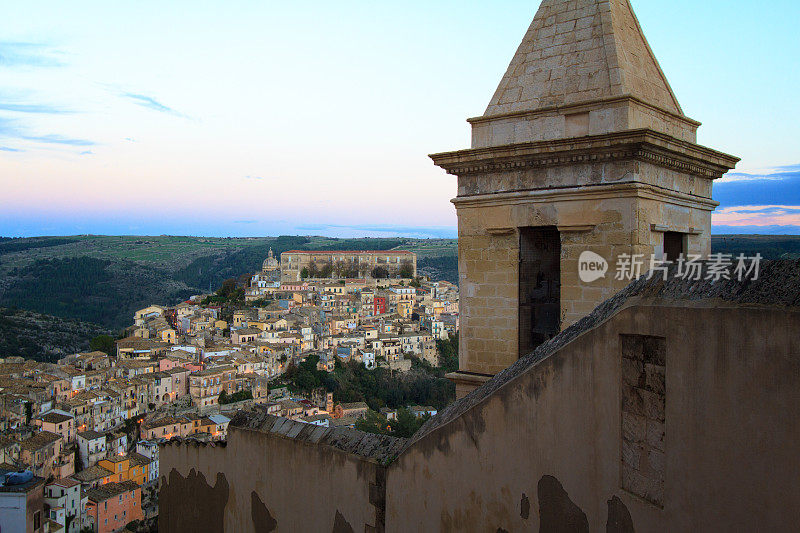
(180, 381)
(111, 506)
(168, 363)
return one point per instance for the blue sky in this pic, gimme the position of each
(259, 118)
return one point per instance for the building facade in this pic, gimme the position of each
(346, 264)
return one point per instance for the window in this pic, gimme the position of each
(674, 245)
(539, 286)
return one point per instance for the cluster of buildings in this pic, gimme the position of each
(211, 359)
(87, 429)
(68, 458)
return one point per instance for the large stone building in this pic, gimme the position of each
(583, 148)
(671, 406)
(346, 264)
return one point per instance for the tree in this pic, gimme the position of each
(261, 302)
(227, 288)
(304, 273)
(407, 424)
(448, 353)
(103, 343)
(229, 291)
(239, 396)
(326, 270)
(379, 273)
(406, 270)
(373, 423)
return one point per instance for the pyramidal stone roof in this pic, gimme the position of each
(579, 51)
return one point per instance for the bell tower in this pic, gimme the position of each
(583, 148)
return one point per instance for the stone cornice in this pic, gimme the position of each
(627, 189)
(642, 145)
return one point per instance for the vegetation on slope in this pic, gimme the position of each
(380, 387)
(92, 290)
(43, 337)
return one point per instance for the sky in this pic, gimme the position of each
(257, 118)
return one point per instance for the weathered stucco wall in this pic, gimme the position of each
(545, 449)
(264, 482)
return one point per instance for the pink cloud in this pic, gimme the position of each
(758, 215)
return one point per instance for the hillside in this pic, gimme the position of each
(769, 246)
(104, 279)
(43, 337)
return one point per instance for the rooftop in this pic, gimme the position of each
(66, 482)
(602, 54)
(92, 473)
(39, 440)
(91, 435)
(55, 418)
(109, 490)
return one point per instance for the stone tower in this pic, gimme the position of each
(583, 147)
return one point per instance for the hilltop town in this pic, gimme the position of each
(87, 429)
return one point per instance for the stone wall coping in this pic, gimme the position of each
(380, 449)
(579, 107)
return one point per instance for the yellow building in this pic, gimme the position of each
(133, 467)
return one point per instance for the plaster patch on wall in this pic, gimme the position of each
(340, 525)
(619, 519)
(524, 507)
(557, 513)
(178, 499)
(262, 518)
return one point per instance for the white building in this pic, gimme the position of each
(149, 448)
(369, 359)
(221, 421)
(91, 447)
(64, 498)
